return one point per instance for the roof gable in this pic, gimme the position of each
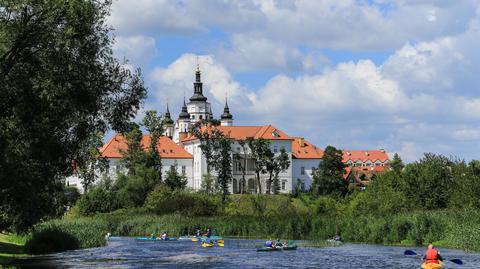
(243, 132)
(365, 155)
(303, 149)
(166, 148)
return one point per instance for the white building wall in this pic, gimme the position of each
(116, 167)
(285, 177)
(306, 177)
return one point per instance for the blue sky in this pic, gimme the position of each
(393, 74)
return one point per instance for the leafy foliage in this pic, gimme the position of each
(175, 180)
(328, 177)
(260, 150)
(60, 83)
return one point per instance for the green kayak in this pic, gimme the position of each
(268, 249)
(289, 247)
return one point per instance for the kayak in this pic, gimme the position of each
(268, 249)
(290, 247)
(113, 238)
(207, 245)
(194, 239)
(155, 239)
(221, 243)
(432, 265)
(187, 238)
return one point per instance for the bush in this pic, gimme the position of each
(162, 200)
(51, 240)
(98, 200)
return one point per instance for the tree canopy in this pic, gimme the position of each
(328, 177)
(59, 83)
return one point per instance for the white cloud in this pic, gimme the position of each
(423, 98)
(138, 50)
(176, 81)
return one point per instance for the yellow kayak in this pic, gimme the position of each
(432, 265)
(220, 243)
(207, 245)
(194, 239)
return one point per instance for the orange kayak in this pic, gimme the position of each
(432, 265)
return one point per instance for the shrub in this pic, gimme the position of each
(164, 201)
(51, 240)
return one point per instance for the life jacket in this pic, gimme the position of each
(269, 244)
(431, 256)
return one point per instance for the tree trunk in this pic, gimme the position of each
(269, 183)
(259, 185)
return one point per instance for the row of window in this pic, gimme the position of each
(302, 170)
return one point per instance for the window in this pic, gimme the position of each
(200, 117)
(184, 170)
(238, 149)
(378, 164)
(275, 149)
(284, 183)
(302, 170)
(193, 117)
(302, 186)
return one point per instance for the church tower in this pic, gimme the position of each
(198, 107)
(226, 119)
(183, 123)
(168, 123)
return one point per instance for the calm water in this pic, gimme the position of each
(127, 253)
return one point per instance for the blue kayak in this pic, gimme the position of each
(155, 239)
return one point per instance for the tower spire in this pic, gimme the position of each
(198, 86)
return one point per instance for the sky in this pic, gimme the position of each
(400, 75)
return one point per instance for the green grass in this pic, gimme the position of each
(11, 247)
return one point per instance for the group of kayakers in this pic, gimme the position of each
(275, 243)
(208, 233)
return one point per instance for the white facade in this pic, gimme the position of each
(303, 171)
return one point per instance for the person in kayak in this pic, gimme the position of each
(164, 235)
(269, 243)
(198, 233)
(432, 255)
(337, 238)
(277, 243)
(209, 232)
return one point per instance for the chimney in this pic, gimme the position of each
(301, 142)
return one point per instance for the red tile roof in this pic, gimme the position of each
(303, 149)
(166, 147)
(365, 155)
(349, 169)
(243, 132)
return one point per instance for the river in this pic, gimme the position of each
(128, 253)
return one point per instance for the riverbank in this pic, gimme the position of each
(452, 229)
(11, 247)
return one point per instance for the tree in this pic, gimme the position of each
(208, 137)
(154, 125)
(223, 164)
(397, 164)
(427, 183)
(282, 163)
(242, 161)
(260, 149)
(175, 180)
(88, 163)
(59, 84)
(328, 177)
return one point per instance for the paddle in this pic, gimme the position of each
(411, 252)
